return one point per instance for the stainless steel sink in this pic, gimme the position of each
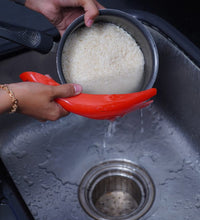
(47, 161)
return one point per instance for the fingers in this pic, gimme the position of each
(91, 11)
(55, 112)
(62, 91)
(59, 112)
(47, 75)
(66, 90)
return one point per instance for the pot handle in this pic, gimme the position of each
(33, 39)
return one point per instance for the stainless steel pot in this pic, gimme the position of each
(130, 24)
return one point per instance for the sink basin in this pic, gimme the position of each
(47, 161)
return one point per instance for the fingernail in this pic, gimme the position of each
(77, 88)
(89, 22)
(47, 75)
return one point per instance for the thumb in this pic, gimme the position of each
(66, 90)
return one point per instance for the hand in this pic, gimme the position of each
(61, 13)
(37, 100)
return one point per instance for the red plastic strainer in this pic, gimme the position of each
(97, 106)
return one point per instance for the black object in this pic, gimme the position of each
(21, 2)
(36, 40)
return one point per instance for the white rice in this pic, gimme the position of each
(104, 59)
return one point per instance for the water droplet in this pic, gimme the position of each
(34, 212)
(43, 164)
(109, 132)
(28, 181)
(197, 205)
(141, 121)
(44, 186)
(20, 154)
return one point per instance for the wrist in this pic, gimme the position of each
(36, 5)
(44, 7)
(14, 101)
(6, 102)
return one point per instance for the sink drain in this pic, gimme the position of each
(115, 190)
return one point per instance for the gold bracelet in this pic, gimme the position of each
(12, 96)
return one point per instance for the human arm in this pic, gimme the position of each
(37, 100)
(62, 12)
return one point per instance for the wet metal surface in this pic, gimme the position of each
(116, 190)
(48, 160)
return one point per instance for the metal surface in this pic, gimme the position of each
(116, 190)
(48, 160)
(135, 28)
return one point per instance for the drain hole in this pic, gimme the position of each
(116, 190)
(116, 196)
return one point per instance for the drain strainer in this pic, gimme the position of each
(116, 190)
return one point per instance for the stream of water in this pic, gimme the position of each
(109, 131)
